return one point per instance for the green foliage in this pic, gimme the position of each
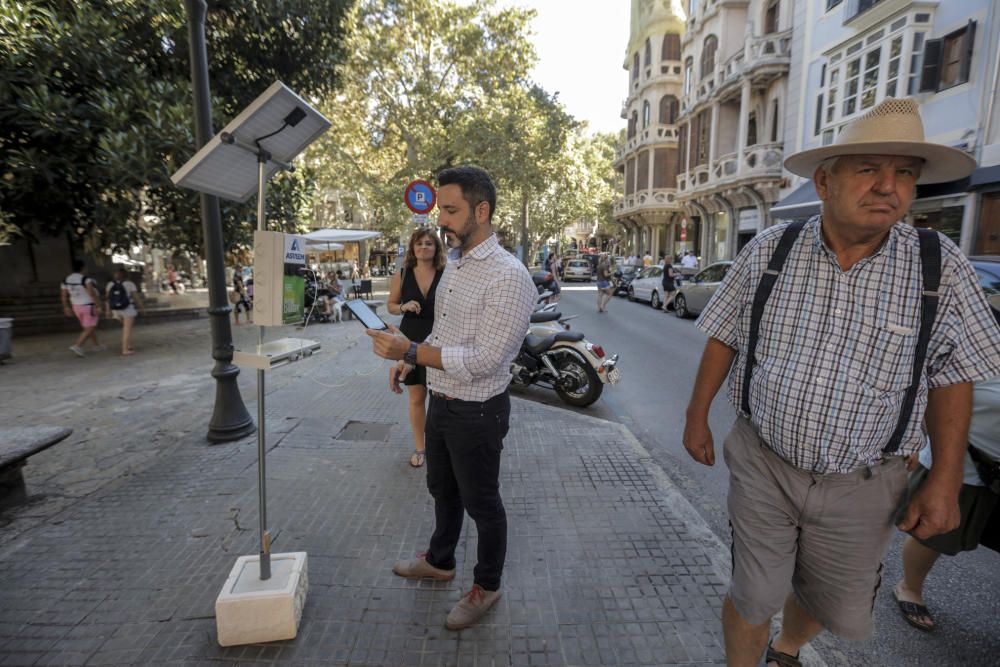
(96, 111)
(429, 84)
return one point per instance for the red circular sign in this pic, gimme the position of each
(420, 197)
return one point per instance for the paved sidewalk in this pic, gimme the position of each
(136, 521)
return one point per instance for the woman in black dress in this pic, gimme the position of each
(412, 296)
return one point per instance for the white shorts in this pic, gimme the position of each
(122, 314)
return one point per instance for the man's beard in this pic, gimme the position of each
(456, 239)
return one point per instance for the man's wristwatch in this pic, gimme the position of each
(411, 355)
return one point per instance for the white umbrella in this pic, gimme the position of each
(341, 235)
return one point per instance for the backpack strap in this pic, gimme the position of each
(763, 293)
(930, 263)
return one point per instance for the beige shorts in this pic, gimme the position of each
(822, 536)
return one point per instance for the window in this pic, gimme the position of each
(774, 121)
(645, 114)
(855, 7)
(895, 58)
(688, 75)
(704, 124)
(635, 67)
(708, 50)
(771, 17)
(916, 63)
(647, 54)
(669, 107)
(692, 7)
(752, 129)
(671, 47)
(861, 81)
(830, 4)
(633, 124)
(818, 123)
(947, 61)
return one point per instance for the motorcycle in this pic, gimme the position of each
(554, 357)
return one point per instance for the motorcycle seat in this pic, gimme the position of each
(538, 345)
(551, 316)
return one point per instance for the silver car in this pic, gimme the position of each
(695, 292)
(577, 269)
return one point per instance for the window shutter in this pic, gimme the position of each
(970, 39)
(931, 73)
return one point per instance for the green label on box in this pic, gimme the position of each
(293, 299)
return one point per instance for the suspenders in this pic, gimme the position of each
(930, 261)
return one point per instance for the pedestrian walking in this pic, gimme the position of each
(484, 301)
(978, 501)
(81, 299)
(669, 284)
(604, 287)
(840, 336)
(123, 297)
(411, 294)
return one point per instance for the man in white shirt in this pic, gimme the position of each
(482, 309)
(81, 299)
(689, 261)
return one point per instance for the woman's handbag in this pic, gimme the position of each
(234, 297)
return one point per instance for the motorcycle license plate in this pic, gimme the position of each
(614, 375)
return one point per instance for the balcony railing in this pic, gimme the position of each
(652, 134)
(645, 200)
(753, 162)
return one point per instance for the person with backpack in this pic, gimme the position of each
(849, 340)
(81, 299)
(123, 297)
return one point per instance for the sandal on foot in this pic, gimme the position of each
(783, 659)
(417, 458)
(913, 613)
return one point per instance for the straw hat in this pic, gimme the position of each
(893, 127)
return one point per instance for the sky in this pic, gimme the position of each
(581, 46)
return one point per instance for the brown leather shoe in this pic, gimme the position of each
(419, 568)
(472, 607)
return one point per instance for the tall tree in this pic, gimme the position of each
(95, 110)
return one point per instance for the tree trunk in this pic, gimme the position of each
(524, 228)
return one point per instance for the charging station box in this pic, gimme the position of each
(278, 283)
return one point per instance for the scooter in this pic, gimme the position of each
(552, 356)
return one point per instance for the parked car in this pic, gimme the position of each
(648, 286)
(694, 293)
(988, 271)
(578, 269)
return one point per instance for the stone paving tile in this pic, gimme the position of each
(600, 571)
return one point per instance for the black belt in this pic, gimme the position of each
(445, 397)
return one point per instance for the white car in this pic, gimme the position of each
(695, 293)
(648, 286)
(577, 269)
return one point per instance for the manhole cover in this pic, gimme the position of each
(364, 431)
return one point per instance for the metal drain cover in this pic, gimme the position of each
(364, 431)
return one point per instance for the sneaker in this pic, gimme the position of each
(77, 351)
(419, 568)
(472, 607)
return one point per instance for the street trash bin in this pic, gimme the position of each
(6, 328)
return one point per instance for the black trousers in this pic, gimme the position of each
(464, 440)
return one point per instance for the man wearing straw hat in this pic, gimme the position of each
(840, 336)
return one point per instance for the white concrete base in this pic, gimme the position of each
(251, 611)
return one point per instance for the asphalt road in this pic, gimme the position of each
(659, 356)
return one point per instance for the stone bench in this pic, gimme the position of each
(16, 445)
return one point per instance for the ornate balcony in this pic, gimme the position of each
(761, 162)
(645, 200)
(652, 134)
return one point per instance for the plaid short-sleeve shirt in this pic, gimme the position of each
(482, 309)
(836, 348)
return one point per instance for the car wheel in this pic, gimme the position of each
(631, 293)
(654, 300)
(680, 306)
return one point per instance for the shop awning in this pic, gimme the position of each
(802, 203)
(341, 235)
(984, 176)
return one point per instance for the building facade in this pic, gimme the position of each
(848, 55)
(737, 56)
(647, 159)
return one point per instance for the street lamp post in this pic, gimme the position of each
(230, 419)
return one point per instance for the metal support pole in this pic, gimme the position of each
(265, 537)
(230, 419)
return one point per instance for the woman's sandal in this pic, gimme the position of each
(783, 659)
(417, 458)
(914, 613)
